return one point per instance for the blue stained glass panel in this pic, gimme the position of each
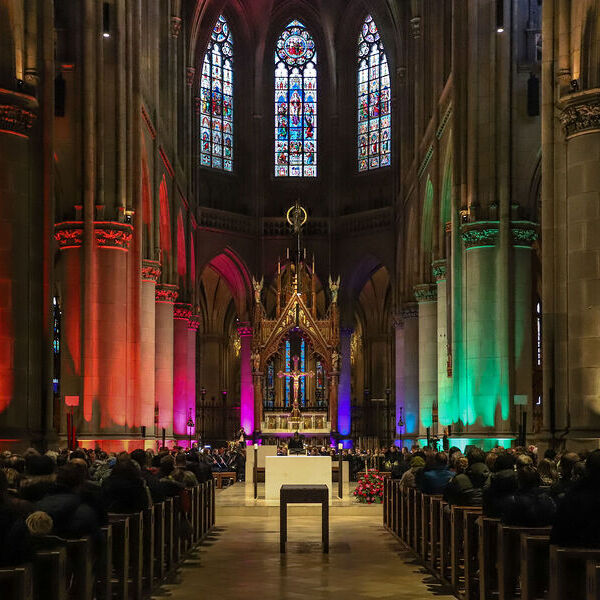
(216, 100)
(374, 94)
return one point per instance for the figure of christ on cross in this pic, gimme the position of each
(296, 375)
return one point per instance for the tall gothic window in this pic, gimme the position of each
(216, 100)
(374, 105)
(295, 103)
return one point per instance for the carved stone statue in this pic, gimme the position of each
(335, 361)
(334, 287)
(255, 358)
(258, 286)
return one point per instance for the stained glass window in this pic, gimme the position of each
(374, 105)
(216, 100)
(56, 328)
(302, 391)
(295, 103)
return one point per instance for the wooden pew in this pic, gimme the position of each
(120, 556)
(50, 575)
(425, 529)
(148, 547)
(169, 532)
(80, 568)
(445, 540)
(225, 475)
(568, 572)
(16, 583)
(535, 556)
(105, 566)
(160, 541)
(136, 552)
(457, 530)
(434, 532)
(471, 555)
(177, 541)
(509, 552)
(416, 517)
(592, 580)
(406, 512)
(488, 551)
(211, 484)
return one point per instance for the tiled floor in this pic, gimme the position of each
(241, 560)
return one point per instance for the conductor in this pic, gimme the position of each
(296, 444)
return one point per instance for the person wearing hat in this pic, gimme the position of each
(417, 464)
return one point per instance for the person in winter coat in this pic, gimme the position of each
(433, 480)
(531, 505)
(466, 489)
(503, 483)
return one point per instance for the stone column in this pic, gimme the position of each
(249, 412)
(193, 325)
(580, 117)
(102, 411)
(523, 235)
(181, 317)
(484, 404)
(20, 250)
(165, 299)
(407, 373)
(447, 411)
(344, 409)
(426, 295)
(150, 275)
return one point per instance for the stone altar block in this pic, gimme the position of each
(296, 470)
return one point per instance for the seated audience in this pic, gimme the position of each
(566, 475)
(503, 483)
(433, 480)
(466, 489)
(124, 490)
(530, 505)
(548, 472)
(408, 480)
(577, 522)
(15, 540)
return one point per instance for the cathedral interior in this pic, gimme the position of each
(155, 157)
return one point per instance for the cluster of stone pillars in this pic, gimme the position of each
(464, 351)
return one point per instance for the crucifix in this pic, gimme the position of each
(296, 375)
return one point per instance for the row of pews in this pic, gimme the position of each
(138, 552)
(482, 559)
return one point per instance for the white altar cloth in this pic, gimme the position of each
(296, 470)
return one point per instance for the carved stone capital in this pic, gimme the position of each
(524, 233)
(194, 322)
(426, 292)
(183, 311)
(166, 293)
(113, 235)
(17, 112)
(415, 27)
(244, 329)
(151, 270)
(108, 234)
(480, 234)
(580, 112)
(190, 74)
(175, 26)
(438, 268)
(409, 311)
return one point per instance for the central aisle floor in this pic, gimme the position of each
(241, 560)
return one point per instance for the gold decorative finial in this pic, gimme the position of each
(296, 216)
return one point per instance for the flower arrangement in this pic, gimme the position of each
(369, 489)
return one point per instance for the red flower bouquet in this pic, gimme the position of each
(369, 489)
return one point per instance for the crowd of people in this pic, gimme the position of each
(515, 485)
(69, 495)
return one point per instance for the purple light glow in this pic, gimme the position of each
(344, 394)
(246, 388)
